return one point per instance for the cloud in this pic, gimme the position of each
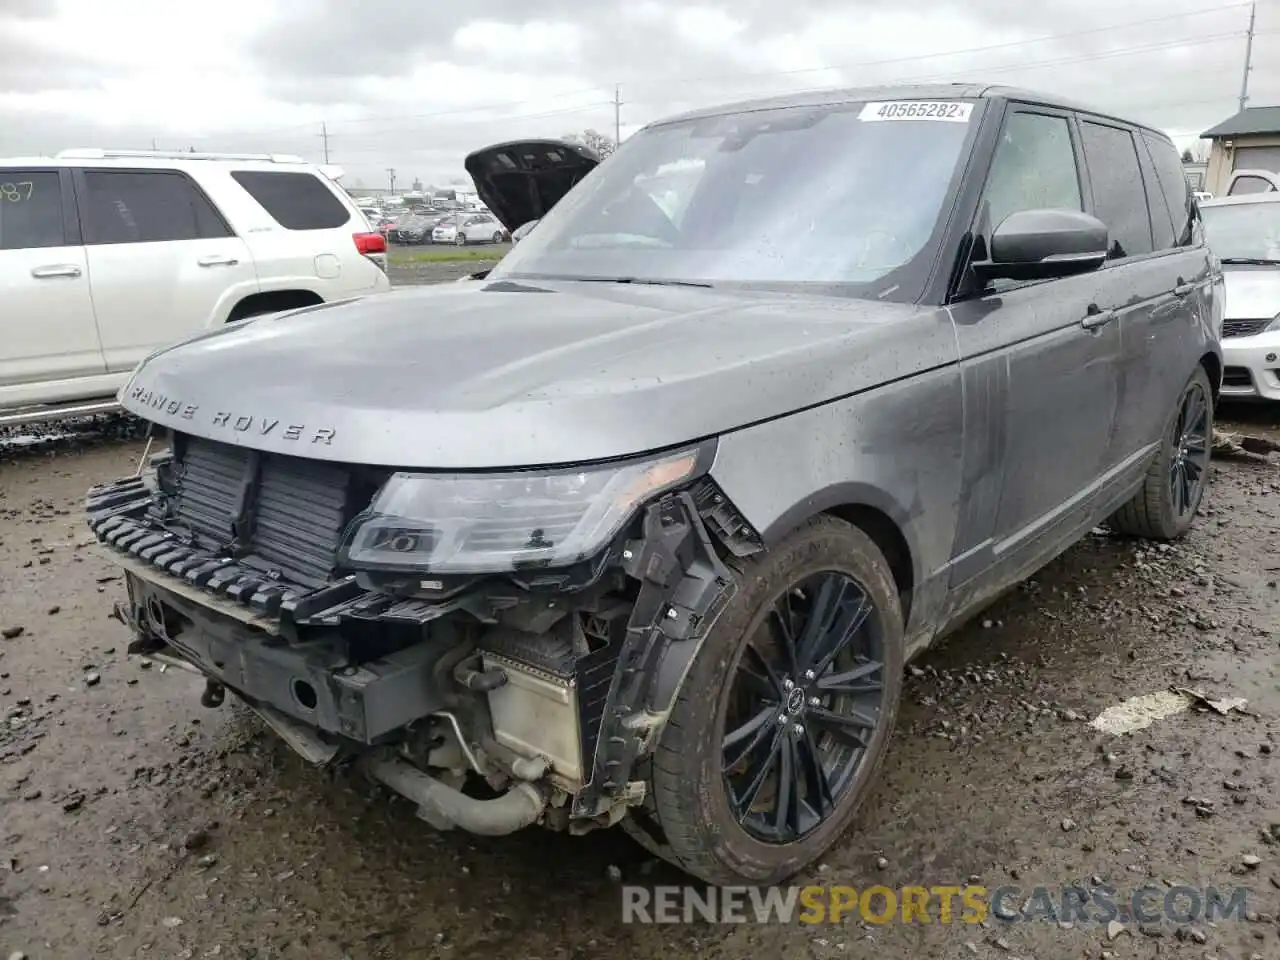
(416, 86)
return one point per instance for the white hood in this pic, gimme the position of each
(1253, 293)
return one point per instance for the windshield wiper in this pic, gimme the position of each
(646, 281)
(1252, 261)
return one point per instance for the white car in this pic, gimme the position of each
(106, 256)
(1244, 233)
(469, 228)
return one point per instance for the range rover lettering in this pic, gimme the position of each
(642, 527)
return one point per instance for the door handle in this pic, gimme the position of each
(217, 261)
(1095, 317)
(55, 270)
(1182, 289)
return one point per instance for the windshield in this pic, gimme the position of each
(849, 194)
(1243, 231)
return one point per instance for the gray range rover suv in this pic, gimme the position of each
(642, 526)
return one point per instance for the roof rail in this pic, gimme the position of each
(96, 153)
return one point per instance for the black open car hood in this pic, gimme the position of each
(521, 180)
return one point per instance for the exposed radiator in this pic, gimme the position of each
(297, 509)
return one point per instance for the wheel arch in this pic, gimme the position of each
(273, 301)
(1212, 364)
(876, 513)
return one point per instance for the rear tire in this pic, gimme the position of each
(497, 237)
(1165, 507)
(703, 816)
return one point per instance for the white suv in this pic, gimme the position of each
(106, 256)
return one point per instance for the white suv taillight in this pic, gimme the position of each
(374, 247)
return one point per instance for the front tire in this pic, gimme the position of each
(460, 240)
(786, 714)
(1165, 507)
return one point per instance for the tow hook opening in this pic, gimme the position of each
(214, 694)
(446, 808)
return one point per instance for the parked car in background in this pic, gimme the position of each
(106, 256)
(1245, 182)
(411, 230)
(463, 229)
(1244, 233)
(644, 526)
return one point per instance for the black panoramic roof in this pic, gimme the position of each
(900, 91)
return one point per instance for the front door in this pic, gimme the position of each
(1041, 374)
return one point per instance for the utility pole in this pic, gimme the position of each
(324, 135)
(1248, 56)
(617, 114)
(153, 144)
(391, 176)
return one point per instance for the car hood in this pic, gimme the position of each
(499, 374)
(521, 180)
(1253, 292)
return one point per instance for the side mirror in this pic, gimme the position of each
(1045, 245)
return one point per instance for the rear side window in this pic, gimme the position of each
(1174, 187)
(1034, 168)
(30, 210)
(1118, 197)
(151, 206)
(296, 201)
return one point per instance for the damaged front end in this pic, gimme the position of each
(528, 629)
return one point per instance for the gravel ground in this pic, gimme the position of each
(135, 823)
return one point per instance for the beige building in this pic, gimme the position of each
(1248, 141)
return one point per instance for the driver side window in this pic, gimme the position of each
(1034, 168)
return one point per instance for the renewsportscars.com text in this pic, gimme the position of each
(935, 904)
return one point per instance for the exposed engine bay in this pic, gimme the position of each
(365, 628)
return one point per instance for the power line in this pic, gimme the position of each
(1057, 62)
(1239, 5)
(1011, 44)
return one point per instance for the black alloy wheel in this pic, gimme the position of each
(805, 701)
(1189, 465)
(784, 715)
(1165, 506)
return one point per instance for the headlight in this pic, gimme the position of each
(1273, 325)
(487, 523)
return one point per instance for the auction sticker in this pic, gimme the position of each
(948, 111)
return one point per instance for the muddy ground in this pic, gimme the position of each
(136, 823)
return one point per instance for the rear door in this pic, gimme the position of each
(1154, 280)
(163, 263)
(47, 329)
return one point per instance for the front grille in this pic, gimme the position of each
(1236, 377)
(1243, 328)
(283, 516)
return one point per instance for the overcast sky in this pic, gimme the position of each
(416, 85)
